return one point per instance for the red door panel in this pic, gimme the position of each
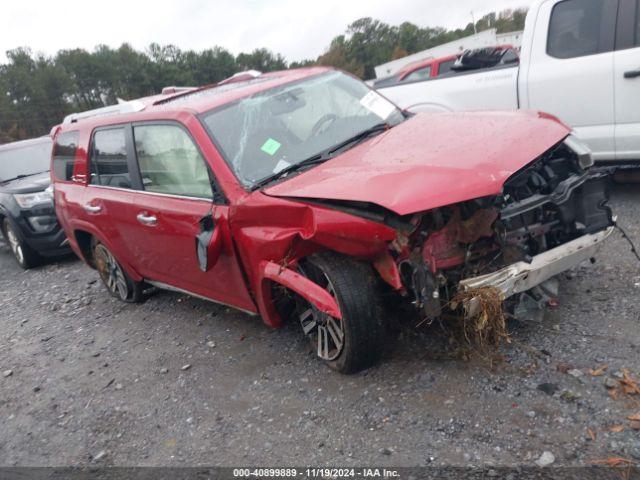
(107, 210)
(162, 236)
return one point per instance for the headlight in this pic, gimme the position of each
(585, 159)
(29, 200)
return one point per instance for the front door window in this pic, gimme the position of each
(170, 162)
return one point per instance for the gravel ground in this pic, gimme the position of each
(179, 381)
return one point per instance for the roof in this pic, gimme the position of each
(24, 143)
(202, 99)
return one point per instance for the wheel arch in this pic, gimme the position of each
(83, 240)
(84, 235)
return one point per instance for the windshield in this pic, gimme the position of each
(275, 129)
(25, 160)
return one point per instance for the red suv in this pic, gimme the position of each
(306, 195)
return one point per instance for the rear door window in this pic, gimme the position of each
(582, 27)
(170, 162)
(109, 161)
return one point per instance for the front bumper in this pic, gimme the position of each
(522, 276)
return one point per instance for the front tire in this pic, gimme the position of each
(119, 284)
(357, 341)
(25, 256)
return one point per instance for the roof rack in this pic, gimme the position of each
(241, 77)
(174, 89)
(119, 109)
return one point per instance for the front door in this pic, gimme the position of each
(627, 82)
(570, 75)
(173, 207)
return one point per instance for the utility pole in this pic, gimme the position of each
(473, 20)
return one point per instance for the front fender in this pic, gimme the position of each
(312, 292)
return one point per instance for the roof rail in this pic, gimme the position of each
(174, 89)
(241, 77)
(119, 109)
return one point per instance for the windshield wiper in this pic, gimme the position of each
(325, 155)
(377, 128)
(18, 177)
(314, 160)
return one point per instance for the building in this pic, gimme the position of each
(486, 38)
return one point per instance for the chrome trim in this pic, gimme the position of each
(149, 220)
(165, 286)
(522, 276)
(583, 152)
(208, 200)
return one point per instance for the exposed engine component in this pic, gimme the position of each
(551, 202)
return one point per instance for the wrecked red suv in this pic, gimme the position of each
(306, 195)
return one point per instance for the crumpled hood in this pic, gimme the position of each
(431, 160)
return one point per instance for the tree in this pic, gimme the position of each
(262, 60)
(36, 91)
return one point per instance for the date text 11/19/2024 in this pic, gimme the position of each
(315, 472)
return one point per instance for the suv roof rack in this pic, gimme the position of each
(120, 108)
(174, 89)
(241, 77)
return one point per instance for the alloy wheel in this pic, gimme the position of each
(111, 272)
(15, 245)
(325, 332)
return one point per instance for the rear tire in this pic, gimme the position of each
(26, 256)
(357, 341)
(119, 284)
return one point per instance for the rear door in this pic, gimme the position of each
(179, 200)
(571, 73)
(627, 81)
(108, 196)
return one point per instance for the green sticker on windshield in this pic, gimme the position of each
(271, 146)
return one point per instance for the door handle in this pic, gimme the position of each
(632, 74)
(145, 219)
(92, 208)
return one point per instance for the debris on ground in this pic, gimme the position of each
(598, 372)
(186, 367)
(487, 325)
(546, 459)
(100, 455)
(574, 372)
(548, 388)
(7, 373)
(614, 462)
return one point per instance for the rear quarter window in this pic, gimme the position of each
(445, 67)
(64, 155)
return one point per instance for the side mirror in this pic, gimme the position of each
(208, 244)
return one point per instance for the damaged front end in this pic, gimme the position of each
(550, 216)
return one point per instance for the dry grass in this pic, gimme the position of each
(486, 329)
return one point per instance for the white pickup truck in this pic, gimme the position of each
(580, 61)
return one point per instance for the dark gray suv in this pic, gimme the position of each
(27, 217)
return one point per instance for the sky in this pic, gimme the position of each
(297, 29)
